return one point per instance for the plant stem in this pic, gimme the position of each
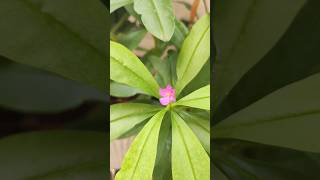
(116, 27)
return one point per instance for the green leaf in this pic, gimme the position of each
(124, 116)
(122, 90)
(180, 34)
(194, 53)
(162, 169)
(54, 155)
(162, 68)
(116, 4)
(244, 34)
(49, 35)
(140, 159)
(287, 118)
(132, 39)
(202, 79)
(197, 99)
(127, 68)
(258, 161)
(189, 159)
(285, 61)
(157, 16)
(200, 126)
(31, 90)
(217, 174)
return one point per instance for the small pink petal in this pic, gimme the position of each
(172, 99)
(163, 92)
(169, 87)
(165, 101)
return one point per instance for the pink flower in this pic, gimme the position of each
(168, 95)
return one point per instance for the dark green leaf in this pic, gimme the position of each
(244, 32)
(54, 155)
(288, 117)
(57, 36)
(29, 89)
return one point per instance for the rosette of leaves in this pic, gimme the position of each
(181, 127)
(266, 90)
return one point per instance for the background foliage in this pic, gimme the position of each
(266, 114)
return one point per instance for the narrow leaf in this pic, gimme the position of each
(200, 126)
(125, 116)
(157, 16)
(194, 53)
(140, 159)
(127, 68)
(288, 117)
(189, 159)
(116, 4)
(197, 99)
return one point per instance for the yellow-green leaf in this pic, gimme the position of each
(140, 158)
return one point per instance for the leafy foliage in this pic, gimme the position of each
(266, 90)
(172, 144)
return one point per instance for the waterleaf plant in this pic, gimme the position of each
(187, 116)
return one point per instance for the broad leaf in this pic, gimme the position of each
(189, 159)
(54, 155)
(127, 68)
(50, 35)
(29, 89)
(197, 99)
(288, 117)
(284, 59)
(244, 33)
(157, 16)
(116, 4)
(140, 159)
(194, 53)
(200, 126)
(125, 116)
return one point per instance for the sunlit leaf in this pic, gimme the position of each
(124, 116)
(116, 4)
(140, 159)
(189, 159)
(197, 99)
(157, 16)
(126, 68)
(194, 53)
